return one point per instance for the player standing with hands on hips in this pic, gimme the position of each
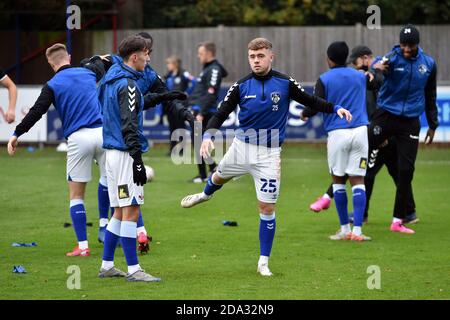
(263, 97)
(409, 88)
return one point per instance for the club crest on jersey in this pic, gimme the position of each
(123, 191)
(376, 130)
(275, 96)
(423, 69)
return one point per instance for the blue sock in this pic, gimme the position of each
(112, 236)
(128, 239)
(140, 222)
(103, 200)
(267, 227)
(359, 204)
(211, 187)
(78, 215)
(340, 199)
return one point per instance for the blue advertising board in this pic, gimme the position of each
(156, 127)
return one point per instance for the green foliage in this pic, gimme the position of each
(177, 13)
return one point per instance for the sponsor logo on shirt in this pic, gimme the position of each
(363, 163)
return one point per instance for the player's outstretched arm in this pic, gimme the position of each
(36, 112)
(159, 93)
(12, 94)
(297, 93)
(12, 145)
(206, 147)
(227, 106)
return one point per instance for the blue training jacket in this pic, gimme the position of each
(122, 104)
(403, 89)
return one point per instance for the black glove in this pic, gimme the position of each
(188, 116)
(151, 99)
(174, 95)
(139, 174)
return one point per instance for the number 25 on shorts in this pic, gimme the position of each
(269, 185)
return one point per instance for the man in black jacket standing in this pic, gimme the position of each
(203, 100)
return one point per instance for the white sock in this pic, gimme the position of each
(345, 228)
(107, 264)
(326, 196)
(133, 269)
(103, 222)
(397, 220)
(141, 229)
(263, 260)
(357, 231)
(205, 196)
(83, 245)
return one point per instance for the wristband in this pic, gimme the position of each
(336, 108)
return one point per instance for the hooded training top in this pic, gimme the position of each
(264, 107)
(122, 104)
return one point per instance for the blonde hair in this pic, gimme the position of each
(259, 43)
(175, 60)
(56, 52)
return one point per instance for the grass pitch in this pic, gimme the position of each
(199, 258)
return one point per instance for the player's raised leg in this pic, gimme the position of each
(213, 184)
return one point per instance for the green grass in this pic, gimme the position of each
(198, 258)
